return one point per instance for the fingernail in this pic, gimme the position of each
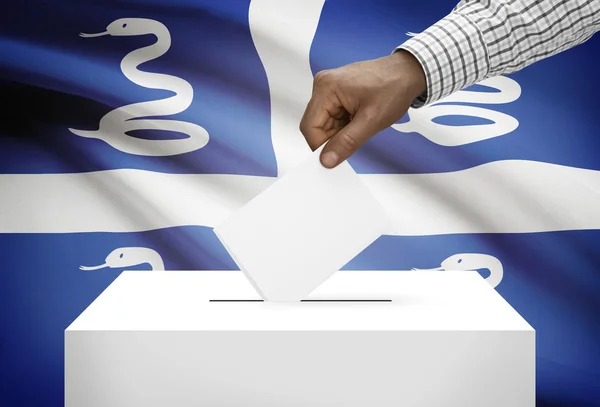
(330, 159)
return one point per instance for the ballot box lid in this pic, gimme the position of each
(417, 300)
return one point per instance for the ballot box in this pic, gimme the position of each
(363, 338)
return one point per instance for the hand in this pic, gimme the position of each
(351, 104)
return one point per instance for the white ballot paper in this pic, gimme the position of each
(302, 229)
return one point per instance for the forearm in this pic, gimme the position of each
(481, 39)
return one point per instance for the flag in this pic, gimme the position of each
(129, 130)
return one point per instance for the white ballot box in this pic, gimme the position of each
(363, 338)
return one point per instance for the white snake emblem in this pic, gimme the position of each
(113, 127)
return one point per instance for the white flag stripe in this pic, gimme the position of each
(498, 197)
(511, 196)
(283, 33)
(120, 200)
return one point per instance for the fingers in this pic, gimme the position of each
(345, 143)
(327, 118)
(314, 121)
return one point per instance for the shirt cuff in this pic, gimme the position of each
(453, 55)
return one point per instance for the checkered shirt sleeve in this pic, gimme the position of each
(485, 38)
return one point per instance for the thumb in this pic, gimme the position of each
(345, 143)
